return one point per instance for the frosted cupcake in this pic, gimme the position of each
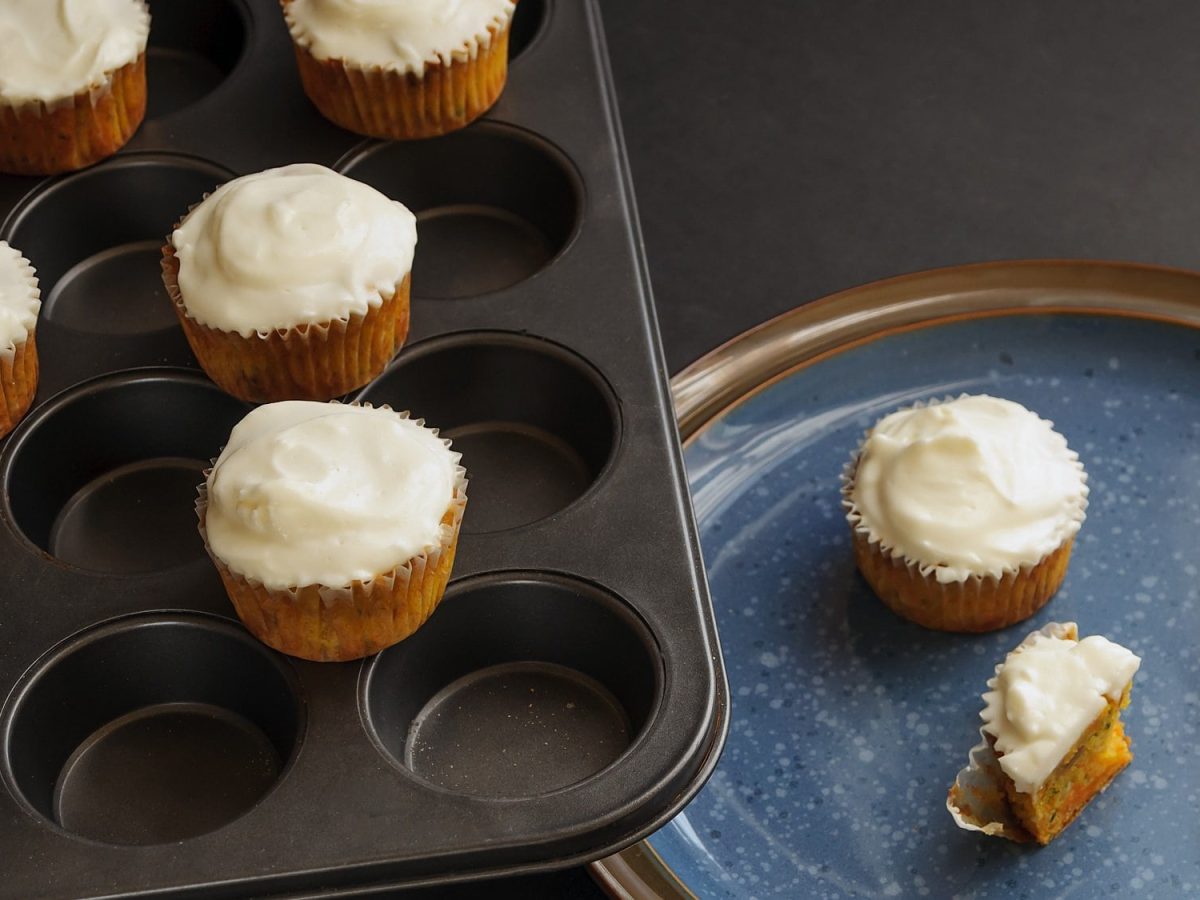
(964, 512)
(1053, 737)
(293, 283)
(72, 81)
(20, 302)
(333, 527)
(401, 69)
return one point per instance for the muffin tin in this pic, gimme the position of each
(568, 695)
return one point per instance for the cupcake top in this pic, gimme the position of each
(397, 35)
(19, 299)
(298, 245)
(325, 493)
(1045, 695)
(53, 49)
(968, 487)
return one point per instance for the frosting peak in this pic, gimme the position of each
(973, 486)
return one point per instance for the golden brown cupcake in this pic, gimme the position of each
(20, 302)
(401, 69)
(293, 283)
(1053, 737)
(964, 512)
(72, 81)
(333, 527)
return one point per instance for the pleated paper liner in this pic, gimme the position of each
(19, 363)
(391, 105)
(18, 382)
(46, 138)
(305, 362)
(979, 603)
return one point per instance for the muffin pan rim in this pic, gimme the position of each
(610, 598)
(545, 346)
(496, 127)
(246, 15)
(130, 159)
(13, 445)
(91, 634)
(544, 25)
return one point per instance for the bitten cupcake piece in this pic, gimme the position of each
(293, 283)
(333, 527)
(964, 512)
(401, 69)
(1053, 734)
(20, 302)
(72, 81)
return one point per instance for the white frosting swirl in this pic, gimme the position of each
(973, 486)
(291, 246)
(20, 299)
(54, 49)
(397, 35)
(325, 493)
(1045, 695)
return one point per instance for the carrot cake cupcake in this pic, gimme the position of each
(20, 303)
(333, 527)
(1053, 735)
(401, 69)
(72, 81)
(964, 512)
(293, 283)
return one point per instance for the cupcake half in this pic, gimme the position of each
(964, 512)
(20, 302)
(401, 69)
(333, 527)
(72, 81)
(293, 283)
(1052, 736)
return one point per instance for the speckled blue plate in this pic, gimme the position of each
(848, 724)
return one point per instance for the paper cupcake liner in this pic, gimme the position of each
(980, 603)
(306, 362)
(19, 360)
(978, 800)
(337, 624)
(394, 105)
(18, 382)
(40, 138)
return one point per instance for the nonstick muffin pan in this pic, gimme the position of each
(568, 695)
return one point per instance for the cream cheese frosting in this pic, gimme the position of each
(20, 299)
(1045, 695)
(973, 486)
(291, 246)
(54, 49)
(326, 493)
(396, 35)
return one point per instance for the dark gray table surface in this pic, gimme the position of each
(786, 149)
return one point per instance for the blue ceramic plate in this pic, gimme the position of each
(848, 724)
